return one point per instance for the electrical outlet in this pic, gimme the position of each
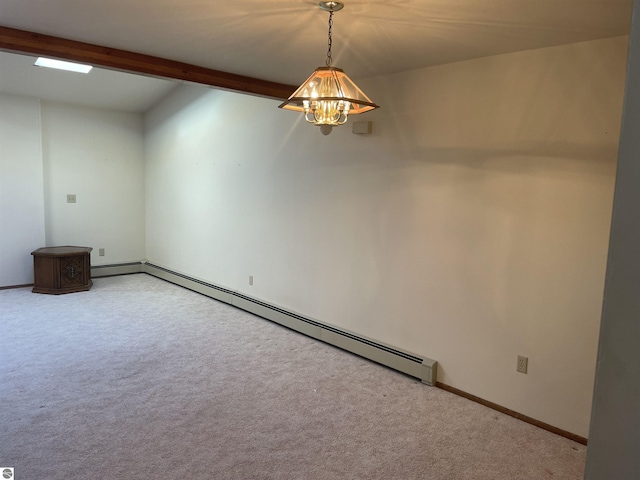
(523, 364)
(71, 198)
(250, 279)
(101, 252)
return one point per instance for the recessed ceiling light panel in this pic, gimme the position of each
(60, 65)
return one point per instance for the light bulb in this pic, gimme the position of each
(326, 129)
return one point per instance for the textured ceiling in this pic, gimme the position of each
(285, 40)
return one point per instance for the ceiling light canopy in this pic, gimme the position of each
(328, 96)
(60, 65)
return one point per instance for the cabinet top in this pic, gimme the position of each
(62, 251)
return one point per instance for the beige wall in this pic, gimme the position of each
(470, 227)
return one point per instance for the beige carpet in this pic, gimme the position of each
(140, 379)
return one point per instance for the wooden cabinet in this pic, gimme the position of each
(59, 270)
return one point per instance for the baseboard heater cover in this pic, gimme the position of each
(422, 368)
(116, 269)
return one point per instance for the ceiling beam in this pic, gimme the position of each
(21, 41)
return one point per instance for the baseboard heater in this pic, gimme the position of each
(424, 369)
(115, 269)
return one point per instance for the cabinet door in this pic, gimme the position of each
(72, 271)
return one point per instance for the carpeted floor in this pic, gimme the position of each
(141, 379)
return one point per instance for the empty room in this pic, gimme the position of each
(419, 266)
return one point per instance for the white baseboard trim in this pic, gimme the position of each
(416, 366)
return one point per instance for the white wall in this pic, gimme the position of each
(97, 155)
(21, 188)
(470, 227)
(49, 150)
(514, 160)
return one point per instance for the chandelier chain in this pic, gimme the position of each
(330, 39)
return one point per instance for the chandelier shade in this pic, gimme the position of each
(328, 96)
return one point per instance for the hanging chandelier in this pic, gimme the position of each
(328, 96)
